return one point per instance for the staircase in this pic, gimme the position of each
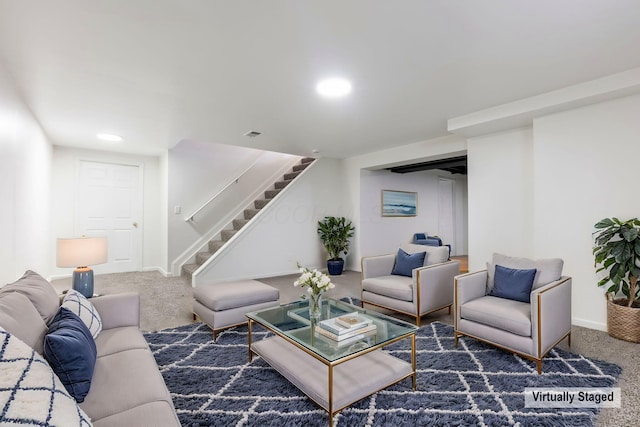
(248, 214)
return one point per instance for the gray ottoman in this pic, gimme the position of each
(223, 305)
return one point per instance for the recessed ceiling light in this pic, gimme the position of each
(109, 137)
(333, 88)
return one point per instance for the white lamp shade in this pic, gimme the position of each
(81, 252)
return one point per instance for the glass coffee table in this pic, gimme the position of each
(333, 373)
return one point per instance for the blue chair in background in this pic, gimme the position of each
(424, 239)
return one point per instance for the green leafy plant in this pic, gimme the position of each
(617, 252)
(335, 233)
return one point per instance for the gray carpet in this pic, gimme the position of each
(166, 302)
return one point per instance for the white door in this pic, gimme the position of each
(109, 203)
(446, 217)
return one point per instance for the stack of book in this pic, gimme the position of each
(346, 329)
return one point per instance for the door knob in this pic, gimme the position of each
(135, 224)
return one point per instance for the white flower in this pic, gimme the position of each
(315, 281)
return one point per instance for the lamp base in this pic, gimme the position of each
(83, 281)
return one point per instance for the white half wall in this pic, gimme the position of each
(25, 170)
(500, 185)
(285, 232)
(586, 168)
(381, 235)
(64, 190)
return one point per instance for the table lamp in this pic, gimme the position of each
(80, 253)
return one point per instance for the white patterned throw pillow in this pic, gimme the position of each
(30, 393)
(78, 304)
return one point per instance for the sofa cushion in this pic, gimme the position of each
(513, 284)
(115, 340)
(397, 287)
(435, 254)
(19, 317)
(505, 314)
(32, 394)
(82, 307)
(156, 414)
(549, 269)
(40, 292)
(71, 352)
(224, 296)
(122, 381)
(405, 263)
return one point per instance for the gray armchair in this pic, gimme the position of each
(528, 328)
(428, 288)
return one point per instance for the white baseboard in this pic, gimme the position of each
(589, 324)
(160, 270)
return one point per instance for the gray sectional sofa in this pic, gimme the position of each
(126, 388)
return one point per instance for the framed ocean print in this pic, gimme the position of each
(399, 203)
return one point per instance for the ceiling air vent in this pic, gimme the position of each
(252, 134)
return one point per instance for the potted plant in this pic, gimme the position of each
(617, 253)
(335, 233)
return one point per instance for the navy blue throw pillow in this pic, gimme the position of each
(405, 263)
(70, 350)
(513, 284)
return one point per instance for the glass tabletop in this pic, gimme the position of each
(330, 338)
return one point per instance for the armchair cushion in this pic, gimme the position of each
(549, 269)
(435, 254)
(405, 263)
(397, 287)
(508, 315)
(513, 284)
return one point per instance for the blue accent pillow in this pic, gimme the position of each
(405, 263)
(420, 236)
(513, 284)
(70, 350)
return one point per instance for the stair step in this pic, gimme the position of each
(250, 213)
(300, 167)
(239, 223)
(214, 245)
(202, 257)
(270, 194)
(307, 160)
(281, 184)
(188, 269)
(291, 175)
(259, 204)
(227, 234)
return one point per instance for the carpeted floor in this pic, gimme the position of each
(167, 301)
(474, 384)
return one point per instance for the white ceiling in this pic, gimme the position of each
(159, 71)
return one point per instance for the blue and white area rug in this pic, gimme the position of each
(212, 384)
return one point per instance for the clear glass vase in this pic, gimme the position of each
(315, 304)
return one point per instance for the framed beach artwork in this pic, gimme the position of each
(399, 203)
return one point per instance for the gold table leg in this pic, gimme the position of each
(249, 325)
(413, 359)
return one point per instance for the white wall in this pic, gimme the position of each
(64, 193)
(448, 146)
(586, 169)
(199, 170)
(384, 235)
(25, 170)
(500, 185)
(285, 233)
(538, 193)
